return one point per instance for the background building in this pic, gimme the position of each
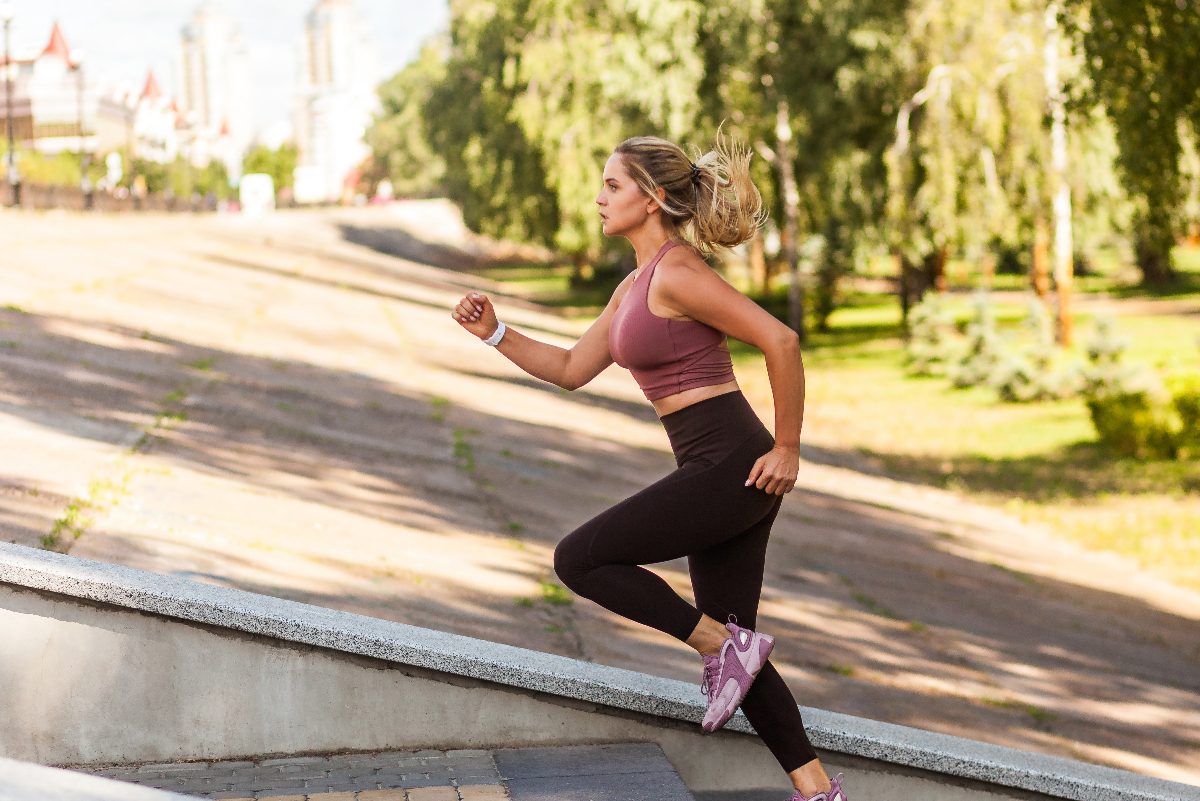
(215, 86)
(52, 108)
(339, 70)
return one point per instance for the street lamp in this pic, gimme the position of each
(85, 157)
(14, 181)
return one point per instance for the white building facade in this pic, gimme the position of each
(215, 87)
(51, 107)
(336, 100)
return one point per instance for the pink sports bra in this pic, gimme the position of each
(665, 356)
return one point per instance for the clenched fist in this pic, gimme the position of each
(475, 313)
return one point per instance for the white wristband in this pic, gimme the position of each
(496, 336)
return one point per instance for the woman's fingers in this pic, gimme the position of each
(772, 479)
(754, 472)
(470, 308)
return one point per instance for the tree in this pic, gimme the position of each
(399, 134)
(493, 172)
(1141, 58)
(279, 163)
(807, 84)
(543, 90)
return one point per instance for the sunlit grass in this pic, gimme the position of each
(1039, 461)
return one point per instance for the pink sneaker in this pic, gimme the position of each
(834, 793)
(728, 676)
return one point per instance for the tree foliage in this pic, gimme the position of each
(542, 91)
(279, 163)
(399, 135)
(830, 65)
(919, 127)
(1142, 58)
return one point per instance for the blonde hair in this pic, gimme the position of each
(712, 203)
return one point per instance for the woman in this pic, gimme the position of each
(667, 323)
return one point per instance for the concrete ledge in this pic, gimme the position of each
(21, 781)
(986, 770)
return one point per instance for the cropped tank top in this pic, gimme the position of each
(665, 356)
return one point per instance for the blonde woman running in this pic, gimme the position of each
(667, 322)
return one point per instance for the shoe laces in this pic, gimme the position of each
(712, 669)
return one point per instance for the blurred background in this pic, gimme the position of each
(984, 224)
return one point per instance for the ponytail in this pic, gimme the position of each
(712, 203)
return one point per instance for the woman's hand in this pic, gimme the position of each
(475, 313)
(775, 471)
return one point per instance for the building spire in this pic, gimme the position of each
(151, 91)
(58, 45)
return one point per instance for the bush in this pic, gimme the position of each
(930, 341)
(1037, 372)
(1136, 424)
(984, 352)
(1134, 413)
(1186, 400)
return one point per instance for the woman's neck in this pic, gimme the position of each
(647, 242)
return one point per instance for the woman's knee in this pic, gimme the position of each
(569, 561)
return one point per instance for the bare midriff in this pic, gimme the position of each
(673, 403)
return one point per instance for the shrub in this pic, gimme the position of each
(1186, 400)
(1038, 372)
(1135, 424)
(930, 342)
(983, 348)
(1106, 374)
(1134, 413)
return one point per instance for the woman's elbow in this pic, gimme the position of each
(786, 340)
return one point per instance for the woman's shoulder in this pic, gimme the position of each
(683, 276)
(683, 257)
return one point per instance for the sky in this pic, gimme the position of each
(121, 39)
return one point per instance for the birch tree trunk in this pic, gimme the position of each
(791, 203)
(1064, 269)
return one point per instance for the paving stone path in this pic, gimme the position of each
(427, 775)
(609, 772)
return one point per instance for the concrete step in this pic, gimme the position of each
(614, 772)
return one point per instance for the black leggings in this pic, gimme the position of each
(702, 510)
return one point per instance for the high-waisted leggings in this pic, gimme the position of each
(702, 510)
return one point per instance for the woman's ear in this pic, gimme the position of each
(653, 207)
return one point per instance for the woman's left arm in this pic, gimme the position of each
(693, 288)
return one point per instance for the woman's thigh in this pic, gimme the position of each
(690, 509)
(727, 577)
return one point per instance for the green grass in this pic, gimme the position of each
(1037, 713)
(873, 606)
(1039, 461)
(204, 363)
(464, 453)
(556, 594)
(439, 404)
(551, 593)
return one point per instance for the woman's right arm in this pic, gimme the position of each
(569, 369)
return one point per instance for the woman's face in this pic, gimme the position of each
(623, 205)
